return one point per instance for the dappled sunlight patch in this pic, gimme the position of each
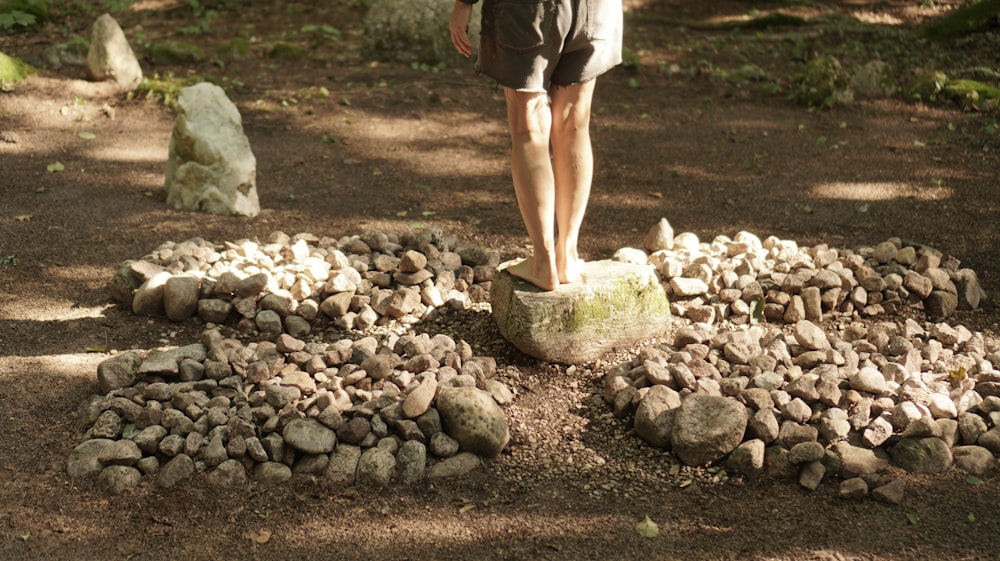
(865, 16)
(46, 309)
(61, 366)
(879, 191)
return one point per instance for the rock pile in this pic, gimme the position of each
(287, 284)
(792, 400)
(364, 411)
(744, 278)
(779, 366)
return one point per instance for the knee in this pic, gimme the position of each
(530, 118)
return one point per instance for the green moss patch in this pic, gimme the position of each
(175, 52)
(14, 70)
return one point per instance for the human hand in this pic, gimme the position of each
(461, 14)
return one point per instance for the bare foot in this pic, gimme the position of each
(572, 271)
(537, 274)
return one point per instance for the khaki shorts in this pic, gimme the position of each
(533, 45)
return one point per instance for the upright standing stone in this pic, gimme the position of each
(617, 305)
(110, 56)
(210, 165)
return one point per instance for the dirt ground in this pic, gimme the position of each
(409, 147)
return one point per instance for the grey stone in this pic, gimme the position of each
(442, 445)
(455, 466)
(311, 464)
(309, 436)
(108, 425)
(806, 452)
(921, 455)
(811, 475)
(891, 493)
(660, 236)
(110, 56)
(210, 166)
(747, 459)
(116, 479)
(84, 460)
(215, 453)
(119, 371)
(229, 473)
(653, 418)
(271, 473)
(180, 297)
(474, 419)
(148, 439)
(418, 401)
(120, 453)
(777, 464)
(857, 461)
(179, 468)
(811, 336)
(853, 489)
(412, 461)
(343, 465)
(869, 380)
(376, 467)
(619, 305)
(763, 424)
(971, 426)
(706, 428)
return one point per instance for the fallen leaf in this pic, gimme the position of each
(655, 194)
(25, 537)
(647, 528)
(23, 217)
(912, 517)
(973, 480)
(55, 166)
(972, 517)
(466, 508)
(95, 349)
(260, 537)
(86, 135)
(428, 213)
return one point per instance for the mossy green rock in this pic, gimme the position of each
(927, 86)
(287, 51)
(618, 305)
(972, 91)
(236, 48)
(175, 52)
(823, 83)
(13, 69)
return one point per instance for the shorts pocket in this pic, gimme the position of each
(523, 25)
(604, 19)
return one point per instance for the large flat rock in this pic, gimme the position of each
(617, 305)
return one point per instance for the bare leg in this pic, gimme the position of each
(530, 121)
(573, 167)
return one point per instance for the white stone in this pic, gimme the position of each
(210, 165)
(110, 56)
